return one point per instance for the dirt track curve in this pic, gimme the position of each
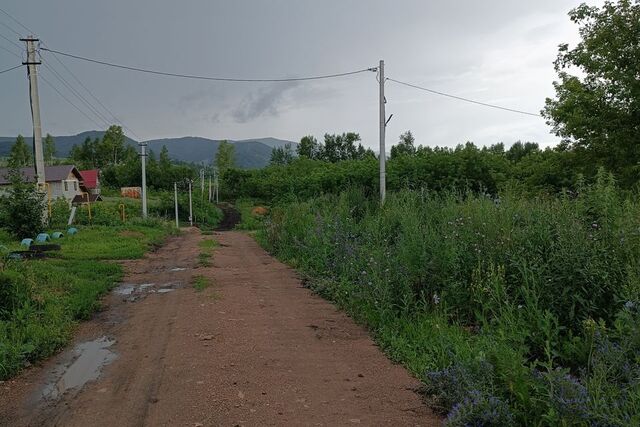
(255, 348)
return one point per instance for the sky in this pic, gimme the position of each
(494, 51)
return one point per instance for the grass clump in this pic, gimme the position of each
(41, 300)
(206, 253)
(513, 311)
(200, 283)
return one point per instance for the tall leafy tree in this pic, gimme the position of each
(308, 147)
(49, 148)
(596, 109)
(282, 155)
(406, 146)
(20, 154)
(112, 146)
(225, 156)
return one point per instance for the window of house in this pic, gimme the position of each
(66, 186)
(75, 185)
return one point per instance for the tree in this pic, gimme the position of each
(282, 155)
(49, 148)
(308, 147)
(23, 207)
(112, 146)
(20, 155)
(405, 147)
(597, 111)
(519, 150)
(225, 157)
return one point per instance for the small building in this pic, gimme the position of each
(63, 181)
(91, 179)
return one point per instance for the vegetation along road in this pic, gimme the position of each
(230, 339)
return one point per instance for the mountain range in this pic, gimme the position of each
(249, 153)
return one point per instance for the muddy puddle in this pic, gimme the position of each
(84, 364)
(133, 291)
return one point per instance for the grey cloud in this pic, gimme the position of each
(264, 102)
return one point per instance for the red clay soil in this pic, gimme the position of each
(255, 348)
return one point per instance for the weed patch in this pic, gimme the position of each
(512, 311)
(200, 283)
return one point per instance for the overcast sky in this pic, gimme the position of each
(495, 51)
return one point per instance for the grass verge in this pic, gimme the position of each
(515, 311)
(42, 300)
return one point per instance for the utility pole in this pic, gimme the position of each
(383, 125)
(190, 207)
(143, 156)
(32, 72)
(216, 184)
(202, 183)
(175, 198)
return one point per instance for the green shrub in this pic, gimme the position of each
(520, 307)
(22, 209)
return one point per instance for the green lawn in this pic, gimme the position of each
(42, 300)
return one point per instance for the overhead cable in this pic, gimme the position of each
(464, 99)
(10, 69)
(196, 77)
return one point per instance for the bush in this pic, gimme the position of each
(23, 208)
(509, 307)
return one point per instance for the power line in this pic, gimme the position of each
(16, 21)
(77, 79)
(79, 96)
(69, 101)
(191, 76)
(10, 29)
(464, 99)
(11, 41)
(11, 52)
(10, 69)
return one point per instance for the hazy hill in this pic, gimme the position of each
(250, 153)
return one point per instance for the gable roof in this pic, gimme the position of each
(51, 173)
(90, 178)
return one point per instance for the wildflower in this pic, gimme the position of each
(436, 299)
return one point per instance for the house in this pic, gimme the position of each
(63, 181)
(91, 180)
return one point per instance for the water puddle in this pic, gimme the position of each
(88, 360)
(133, 292)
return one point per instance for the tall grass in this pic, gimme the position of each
(513, 311)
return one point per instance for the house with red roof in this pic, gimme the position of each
(62, 181)
(91, 180)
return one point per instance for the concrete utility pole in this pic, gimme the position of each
(383, 125)
(143, 157)
(32, 72)
(175, 198)
(202, 183)
(215, 183)
(190, 206)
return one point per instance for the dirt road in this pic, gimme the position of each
(254, 348)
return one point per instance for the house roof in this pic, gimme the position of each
(90, 178)
(51, 173)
